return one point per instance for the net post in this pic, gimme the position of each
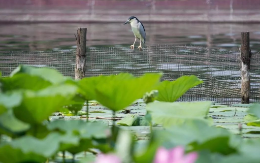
(245, 55)
(80, 67)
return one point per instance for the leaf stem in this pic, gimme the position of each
(87, 111)
(73, 158)
(151, 127)
(63, 156)
(114, 118)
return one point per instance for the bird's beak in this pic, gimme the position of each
(127, 22)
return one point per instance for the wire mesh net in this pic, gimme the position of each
(218, 68)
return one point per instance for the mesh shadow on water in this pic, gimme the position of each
(218, 68)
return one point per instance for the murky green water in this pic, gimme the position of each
(56, 36)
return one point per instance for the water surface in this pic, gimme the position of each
(56, 36)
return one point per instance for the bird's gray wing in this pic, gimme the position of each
(142, 31)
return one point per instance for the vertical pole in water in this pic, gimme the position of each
(245, 67)
(80, 67)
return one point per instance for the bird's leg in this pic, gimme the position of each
(133, 46)
(140, 47)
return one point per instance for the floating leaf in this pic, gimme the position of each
(252, 120)
(119, 91)
(133, 120)
(128, 120)
(170, 91)
(38, 106)
(47, 74)
(255, 109)
(176, 113)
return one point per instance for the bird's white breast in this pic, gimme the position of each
(136, 32)
(134, 26)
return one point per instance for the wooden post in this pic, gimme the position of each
(80, 67)
(245, 67)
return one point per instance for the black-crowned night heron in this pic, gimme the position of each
(138, 30)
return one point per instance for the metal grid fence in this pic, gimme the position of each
(218, 68)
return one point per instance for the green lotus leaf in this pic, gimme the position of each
(68, 141)
(119, 91)
(170, 91)
(37, 149)
(24, 81)
(31, 149)
(255, 109)
(9, 154)
(252, 120)
(38, 106)
(84, 130)
(198, 135)
(177, 113)
(76, 103)
(128, 120)
(84, 145)
(47, 74)
(10, 125)
(250, 148)
(206, 157)
(87, 86)
(9, 100)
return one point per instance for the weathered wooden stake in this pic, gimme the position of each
(80, 67)
(245, 67)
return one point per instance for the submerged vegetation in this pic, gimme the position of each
(29, 96)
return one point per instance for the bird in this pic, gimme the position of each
(138, 30)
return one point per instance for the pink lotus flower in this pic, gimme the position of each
(175, 155)
(108, 158)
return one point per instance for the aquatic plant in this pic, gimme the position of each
(30, 95)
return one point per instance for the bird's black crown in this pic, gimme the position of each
(132, 17)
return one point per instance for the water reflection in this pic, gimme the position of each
(57, 36)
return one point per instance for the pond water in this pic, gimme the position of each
(57, 36)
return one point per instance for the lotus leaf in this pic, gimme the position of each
(255, 109)
(252, 120)
(24, 81)
(177, 113)
(30, 149)
(10, 125)
(9, 100)
(170, 91)
(84, 130)
(88, 85)
(119, 91)
(38, 106)
(48, 74)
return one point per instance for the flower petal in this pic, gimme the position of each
(190, 158)
(176, 155)
(109, 158)
(162, 156)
